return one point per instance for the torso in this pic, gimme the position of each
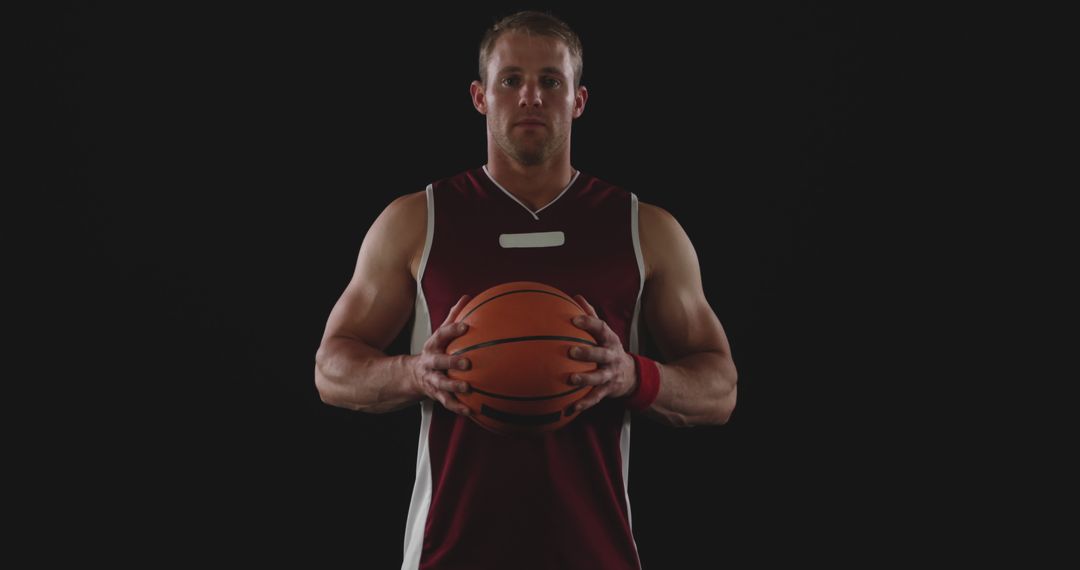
(578, 492)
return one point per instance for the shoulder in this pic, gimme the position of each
(400, 230)
(404, 215)
(410, 214)
(409, 207)
(663, 240)
(654, 215)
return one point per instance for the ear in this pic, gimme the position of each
(580, 97)
(479, 96)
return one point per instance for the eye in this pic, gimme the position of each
(552, 82)
(511, 81)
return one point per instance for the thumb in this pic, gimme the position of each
(585, 305)
(456, 309)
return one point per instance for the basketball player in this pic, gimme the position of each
(559, 500)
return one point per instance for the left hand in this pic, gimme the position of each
(615, 375)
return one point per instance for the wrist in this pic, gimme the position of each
(412, 376)
(647, 374)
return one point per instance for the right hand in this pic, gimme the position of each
(433, 361)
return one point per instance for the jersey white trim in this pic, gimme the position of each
(522, 204)
(420, 334)
(624, 439)
(422, 488)
(641, 270)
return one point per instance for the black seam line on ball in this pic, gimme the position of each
(526, 398)
(522, 339)
(519, 291)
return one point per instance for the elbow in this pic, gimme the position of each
(726, 405)
(718, 403)
(324, 387)
(727, 408)
(723, 410)
(329, 392)
(322, 383)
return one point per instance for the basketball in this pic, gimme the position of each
(519, 338)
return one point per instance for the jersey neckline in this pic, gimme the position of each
(577, 174)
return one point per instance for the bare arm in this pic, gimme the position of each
(351, 369)
(698, 378)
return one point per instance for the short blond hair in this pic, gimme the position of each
(539, 23)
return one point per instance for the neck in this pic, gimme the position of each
(535, 185)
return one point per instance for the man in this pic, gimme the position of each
(483, 500)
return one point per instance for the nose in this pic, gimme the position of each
(530, 95)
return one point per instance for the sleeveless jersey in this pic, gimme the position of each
(487, 501)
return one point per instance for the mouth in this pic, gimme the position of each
(530, 124)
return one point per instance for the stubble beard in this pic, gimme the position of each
(528, 154)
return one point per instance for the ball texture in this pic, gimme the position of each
(518, 342)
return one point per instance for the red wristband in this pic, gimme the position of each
(648, 374)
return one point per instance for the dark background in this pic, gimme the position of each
(218, 168)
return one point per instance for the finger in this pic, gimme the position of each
(586, 353)
(456, 309)
(584, 322)
(600, 331)
(450, 402)
(593, 325)
(447, 362)
(448, 329)
(441, 383)
(589, 401)
(585, 305)
(457, 406)
(443, 336)
(600, 377)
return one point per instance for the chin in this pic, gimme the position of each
(530, 159)
(530, 156)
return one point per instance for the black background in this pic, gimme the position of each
(219, 167)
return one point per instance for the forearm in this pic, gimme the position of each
(698, 389)
(352, 374)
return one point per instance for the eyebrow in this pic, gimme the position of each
(514, 68)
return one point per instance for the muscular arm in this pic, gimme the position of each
(351, 369)
(698, 378)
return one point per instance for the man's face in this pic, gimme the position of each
(530, 99)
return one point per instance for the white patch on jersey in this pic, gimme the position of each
(535, 239)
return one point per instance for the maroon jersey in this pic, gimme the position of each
(558, 500)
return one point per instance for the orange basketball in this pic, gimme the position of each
(518, 342)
